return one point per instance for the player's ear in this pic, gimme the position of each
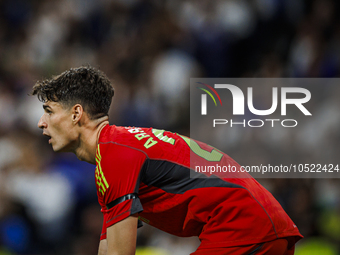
(77, 113)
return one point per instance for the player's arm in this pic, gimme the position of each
(102, 250)
(121, 237)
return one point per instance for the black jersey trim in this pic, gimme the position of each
(177, 179)
(136, 206)
(121, 200)
(258, 248)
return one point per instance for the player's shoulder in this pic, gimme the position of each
(114, 139)
(118, 149)
(108, 133)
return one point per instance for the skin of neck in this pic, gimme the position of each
(88, 136)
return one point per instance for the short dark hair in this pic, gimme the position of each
(84, 85)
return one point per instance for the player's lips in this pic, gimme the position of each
(49, 141)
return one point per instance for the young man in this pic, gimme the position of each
(146, 172)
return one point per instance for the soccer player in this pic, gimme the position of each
(145, 174)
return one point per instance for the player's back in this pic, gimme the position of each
(179, 196)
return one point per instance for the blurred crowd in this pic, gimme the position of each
(150, 49)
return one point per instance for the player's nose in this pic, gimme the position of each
(42, 124)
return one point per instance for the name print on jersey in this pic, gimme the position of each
(141, 135)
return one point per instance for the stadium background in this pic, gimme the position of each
(150, 49)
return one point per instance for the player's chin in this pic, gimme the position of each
(57, 148)
(61, 148)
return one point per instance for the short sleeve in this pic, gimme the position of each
(118, 173)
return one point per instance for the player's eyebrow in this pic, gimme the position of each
(46, 107)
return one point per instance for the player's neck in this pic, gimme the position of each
(88, 140)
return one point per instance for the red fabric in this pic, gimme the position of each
(276, 247)
(221, 217)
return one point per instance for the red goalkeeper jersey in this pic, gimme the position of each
(160, 175)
